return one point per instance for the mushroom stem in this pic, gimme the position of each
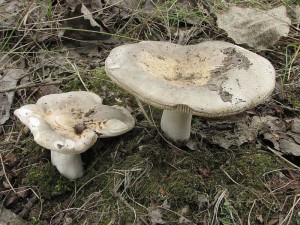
(176, 125)
(69, 165)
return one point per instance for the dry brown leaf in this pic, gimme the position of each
(297, 14)
(254, 27)
(296, 126)
(8, 217)
(288, 146)
(282, 135)
(8, 81)
(85, 26)
(87, 15)
(9, 11)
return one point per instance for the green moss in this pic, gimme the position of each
(250, 167)
(31, 148)
(183, 187)
(98, 82)
(292, 99)
(50, 183)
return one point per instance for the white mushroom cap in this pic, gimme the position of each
(51, 137)
(209, 79)
(70, 123)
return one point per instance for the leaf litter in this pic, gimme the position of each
(256, 28)
(104, 18)
(9, 77)
(282, 134)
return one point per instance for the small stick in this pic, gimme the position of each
(29, 85)
(143, 111)
(12, 188)
(280, 156)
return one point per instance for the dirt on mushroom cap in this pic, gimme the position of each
(209, 79)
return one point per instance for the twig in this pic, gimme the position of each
(122, 199)
(249, 215)
(217, 206)
(287, 107)
(74, 66)
(12, 188)
(143, 111)
(281, 157)
(30, 85)
(290, 213)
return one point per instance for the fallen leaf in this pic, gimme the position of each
(87, 15)
(9, 12)
(8, 217)
(155, 216)
(289, 147)
(81, 18)
(294, 136)
(273, 139)
(47, 89)
(254, 27)
(10, 200)
(8, 81)
(23, 192)
(296, 126)
(26, 210)
(273, 221)
(297, 14)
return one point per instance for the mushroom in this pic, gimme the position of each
(210, 79)
(70, 123)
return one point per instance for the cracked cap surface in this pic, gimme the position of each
(70, 123)
(210, 79)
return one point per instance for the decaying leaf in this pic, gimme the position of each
(297, 14)
(289, 147)
(83, 23)
(88, 16)
(282, 135)
(47, 90)
(155, 216)
(296, 126)
(254, 27)
(227, 133)
(8, 217)
(8, 81)
(9, 11)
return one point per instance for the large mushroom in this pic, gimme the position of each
(210, 79)
(70, 123)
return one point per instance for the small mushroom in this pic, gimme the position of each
(210, 79)
(70, 123)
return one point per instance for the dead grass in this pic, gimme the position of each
(130, 177)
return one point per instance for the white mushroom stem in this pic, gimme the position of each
(69, 165)
(176, 125)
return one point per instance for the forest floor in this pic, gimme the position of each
(231, 171)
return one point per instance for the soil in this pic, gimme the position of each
(231, 170)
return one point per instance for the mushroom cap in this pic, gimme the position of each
(209, 79)
(70, 123)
